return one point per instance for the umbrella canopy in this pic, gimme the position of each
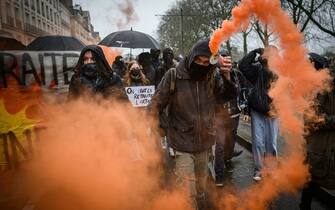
(130, 39)
(56, 43)
(11, 44)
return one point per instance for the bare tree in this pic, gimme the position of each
(320, 13)
(200, 19)
(245, 40)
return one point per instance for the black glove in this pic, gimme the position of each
(259, 51)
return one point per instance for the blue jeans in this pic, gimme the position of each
(264, 131)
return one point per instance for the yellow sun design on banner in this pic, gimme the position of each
(17, 123)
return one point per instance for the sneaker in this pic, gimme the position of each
(257, 176)
(237, 153)
(229, 166)
(219, 181)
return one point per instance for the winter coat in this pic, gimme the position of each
(163, 68)
(321, 144)
(191, 106)
(150, 73)
(260, 78)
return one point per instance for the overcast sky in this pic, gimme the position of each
(105, 14)
(106, 17)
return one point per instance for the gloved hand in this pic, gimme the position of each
(259, 51)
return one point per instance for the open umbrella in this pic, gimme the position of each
(130, 39)
(56, 43)
(11, 44)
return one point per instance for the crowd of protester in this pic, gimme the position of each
(199, 104)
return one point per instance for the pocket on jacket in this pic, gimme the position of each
(184, 129)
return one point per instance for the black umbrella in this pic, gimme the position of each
(56, 43)
(11, 44)
(130, 39)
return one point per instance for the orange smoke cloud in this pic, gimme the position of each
(293, 94)
(110, 54)
(16, 98)
(100, 156)
(128, 13)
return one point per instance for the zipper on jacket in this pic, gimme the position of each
(199, 117)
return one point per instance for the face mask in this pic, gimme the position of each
(199, 72)
(89, 70)
(135, 73)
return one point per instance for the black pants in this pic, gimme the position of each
(226, 136)
(307, 195)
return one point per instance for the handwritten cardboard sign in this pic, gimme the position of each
(140, 96)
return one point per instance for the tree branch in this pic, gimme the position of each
(310, 16)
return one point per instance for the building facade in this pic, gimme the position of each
(25, 20)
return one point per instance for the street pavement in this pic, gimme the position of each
(241, 178)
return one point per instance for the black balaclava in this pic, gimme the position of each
(89, 70)
(199, 72)
(101, 65)
(196, 71)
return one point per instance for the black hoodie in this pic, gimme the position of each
(105, 82)
(192, 104)
(261, 77)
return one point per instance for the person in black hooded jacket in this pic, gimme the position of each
(119, 66)
(320, 142)
(93, 75)
(168, 63)
(191, 112)
(155, 53)
(145, 60)
(264, 127)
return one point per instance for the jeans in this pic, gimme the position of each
(225, 142)
(192, 170)
(264, 131)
